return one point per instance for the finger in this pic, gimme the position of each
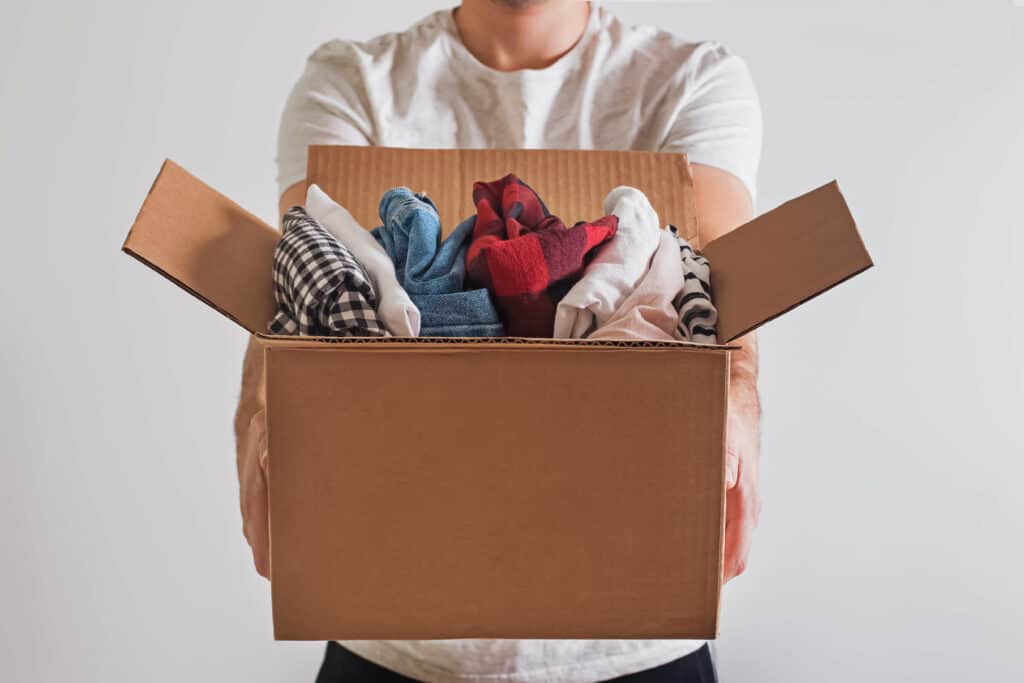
(733, 432)
(739, 535)
(255, 515)
(257, 533)
(742, 509)
(732, 466)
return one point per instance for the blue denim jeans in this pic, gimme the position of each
(434, 272)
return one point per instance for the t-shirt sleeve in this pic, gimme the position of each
(719, 118)
(327, 106)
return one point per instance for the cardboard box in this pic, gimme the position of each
(509, 488)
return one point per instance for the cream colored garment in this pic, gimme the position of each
(620, 87)
(397, 311)
(649, 313)
(616, 269)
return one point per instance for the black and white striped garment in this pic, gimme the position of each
(697, 314)
(319, 286)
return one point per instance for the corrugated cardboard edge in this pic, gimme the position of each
(724, 430)
(487, 342)
(185, 287)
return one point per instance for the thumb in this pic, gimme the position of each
(732, 466)
(732, 451)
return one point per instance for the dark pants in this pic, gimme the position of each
(342, 666)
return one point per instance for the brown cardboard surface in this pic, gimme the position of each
(486, 342)
(208, 245)
(495, 488)
(572, 183)
(782, 259)
(455, 491)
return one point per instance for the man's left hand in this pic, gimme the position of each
(742, 478)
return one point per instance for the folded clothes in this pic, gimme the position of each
(616, 268)
(433, 272)
(397, 311)
(320, 288)
(697, 314)
(649, 311)
(526, 257)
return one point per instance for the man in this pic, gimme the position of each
(543, 74)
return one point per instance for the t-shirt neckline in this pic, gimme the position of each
(458, 50)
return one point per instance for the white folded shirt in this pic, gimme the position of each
(397, 311)
(616, 269)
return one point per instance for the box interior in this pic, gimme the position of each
(222, 254)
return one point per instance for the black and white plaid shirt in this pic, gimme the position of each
(320, 288)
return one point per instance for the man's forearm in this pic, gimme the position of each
(742, 463)
(251, 403)
(251, 445)
(743, 396)
(250, 427)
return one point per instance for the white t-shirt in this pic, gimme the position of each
(619, 87)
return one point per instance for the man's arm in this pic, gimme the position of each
(251, 434)
(295, 195)
(723, 203)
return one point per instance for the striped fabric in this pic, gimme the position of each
(697, 315)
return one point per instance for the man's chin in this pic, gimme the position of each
(518, 3)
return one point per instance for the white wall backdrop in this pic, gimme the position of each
(893, 454)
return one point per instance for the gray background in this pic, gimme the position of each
(890, 540)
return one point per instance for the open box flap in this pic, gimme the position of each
(572, 183)
(208, 245)
(780, 260)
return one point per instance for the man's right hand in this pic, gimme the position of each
(251, 445)
(251, 433)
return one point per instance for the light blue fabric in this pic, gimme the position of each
(434, 272)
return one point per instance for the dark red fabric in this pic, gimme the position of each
(526, 257)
